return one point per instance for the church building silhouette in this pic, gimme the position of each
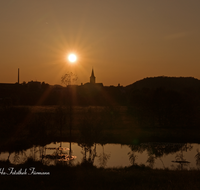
(92, 78)
(92, 82)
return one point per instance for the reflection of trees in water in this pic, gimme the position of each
(89, 149)
(160, 149)
(39, 154)
(24, 156)
(16, 159)
(197, 157)
(91, 131)
(179, 158)
(157, 150)
(92, 125)
(36, 154)
(151, 160)
(60, 155)
(33, 153)
(132, 157)
(42, 151)
(19, 157)
(8, 159)
(90, 153)
(103, 158)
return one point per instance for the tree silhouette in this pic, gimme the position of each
(69, 79)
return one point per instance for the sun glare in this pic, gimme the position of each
(72, 58)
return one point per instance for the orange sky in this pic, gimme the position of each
(123, 40)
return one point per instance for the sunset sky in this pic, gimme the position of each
(123, 40)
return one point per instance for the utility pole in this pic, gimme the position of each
(18, 75)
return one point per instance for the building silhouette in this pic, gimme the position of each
(92, 78)
(37, 93)
(92, 84)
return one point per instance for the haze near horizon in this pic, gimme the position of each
(124, 41)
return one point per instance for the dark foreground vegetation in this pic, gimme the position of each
(41, 125)
(27, 126)
(151, 112)
(85, 176)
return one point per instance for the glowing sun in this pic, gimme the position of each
(72, 58)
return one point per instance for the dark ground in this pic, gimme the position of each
(23, 127)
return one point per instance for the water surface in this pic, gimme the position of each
(155, 155)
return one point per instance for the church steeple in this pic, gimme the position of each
(92, 78)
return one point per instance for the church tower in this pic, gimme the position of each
(92, 78)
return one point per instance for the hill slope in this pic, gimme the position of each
(167, 83)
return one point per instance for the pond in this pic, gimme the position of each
(155, 155)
